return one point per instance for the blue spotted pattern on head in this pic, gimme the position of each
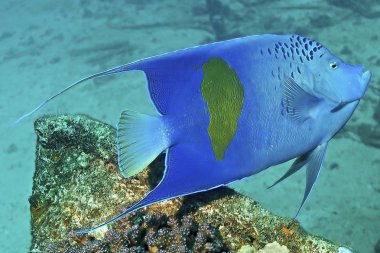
(297, 48)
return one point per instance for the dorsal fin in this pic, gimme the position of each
(172, 73)
(69, 87)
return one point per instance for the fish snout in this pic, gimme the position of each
(364, 79)
(357, 91)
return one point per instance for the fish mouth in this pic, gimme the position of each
(364, 80)
(366, 77)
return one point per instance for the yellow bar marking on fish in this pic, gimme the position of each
(224, 95)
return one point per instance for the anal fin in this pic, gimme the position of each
(186, 172)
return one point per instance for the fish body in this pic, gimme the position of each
(231, 109)
(265, 135)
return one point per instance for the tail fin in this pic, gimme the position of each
(103, 73)
(140, 139)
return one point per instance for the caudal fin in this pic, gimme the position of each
(140, 139)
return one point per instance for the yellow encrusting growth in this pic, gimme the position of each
(224, 95)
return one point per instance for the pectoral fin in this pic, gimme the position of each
(313, 161)
(296, 102)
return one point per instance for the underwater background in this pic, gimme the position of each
(45, 45)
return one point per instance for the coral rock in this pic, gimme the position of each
(274, 247)
(77, 185)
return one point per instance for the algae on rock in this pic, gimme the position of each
(77, 185)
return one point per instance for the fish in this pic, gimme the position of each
(230, 109)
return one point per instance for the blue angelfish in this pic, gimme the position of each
(231, 109)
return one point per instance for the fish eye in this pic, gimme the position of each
(333, 65)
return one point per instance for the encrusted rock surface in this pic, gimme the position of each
(77, 185)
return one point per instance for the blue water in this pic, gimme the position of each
(44, 45)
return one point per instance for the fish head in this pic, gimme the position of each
(338, 82)
(321, 85)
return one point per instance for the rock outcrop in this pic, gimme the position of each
(77, 185)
